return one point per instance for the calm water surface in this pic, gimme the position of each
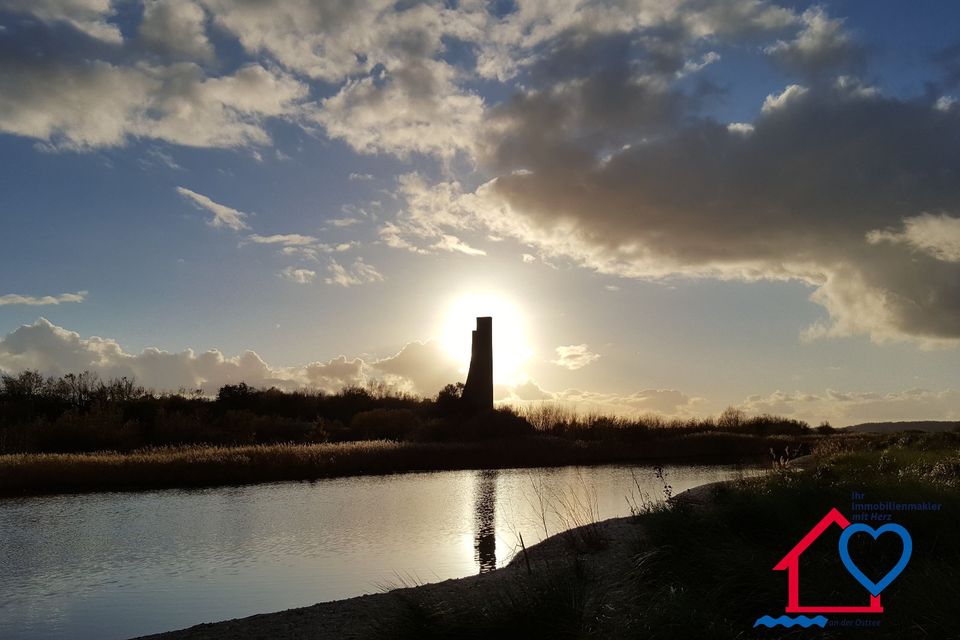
(116, 565)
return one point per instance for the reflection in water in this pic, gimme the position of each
(107, 566)
(485, 499)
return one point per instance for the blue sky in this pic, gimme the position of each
(682, 206)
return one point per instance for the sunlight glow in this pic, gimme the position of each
(510, 346)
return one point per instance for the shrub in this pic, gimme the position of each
(494, 425)
(384, 424)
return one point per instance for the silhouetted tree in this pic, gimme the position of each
(449, 401)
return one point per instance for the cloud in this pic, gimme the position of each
(949, 60)
(936, 235)
(822, 45)
(360, 176)
(574, 356)
(415, 107)
(85, 104)
(389, 73)
(421, 367)
(36, 301)
(528, 391)
(300, 276)
(452, 243)
(177, 28)
(297, 245)
(425, 368)
(842, 408)
(223, 216)
(345, 222)
(88, 16)
(359, 273)
(286, 239)
(54, 350)
(666, 402)
(158, 158)
(772, 102)
(336, 374)
(699, 200)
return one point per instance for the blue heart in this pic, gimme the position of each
(875, 587)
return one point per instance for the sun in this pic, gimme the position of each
(511, 350)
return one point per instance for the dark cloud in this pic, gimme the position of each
(795, 196)
(949, 60)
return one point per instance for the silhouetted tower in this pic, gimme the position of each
(478, 392)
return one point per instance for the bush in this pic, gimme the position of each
(494, 425)
(384, 424)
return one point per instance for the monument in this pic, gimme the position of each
(478, 392)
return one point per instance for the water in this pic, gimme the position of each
(116, 565)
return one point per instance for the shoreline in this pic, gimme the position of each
(362, 617)
(28, 475)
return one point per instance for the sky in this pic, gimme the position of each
(667, 207)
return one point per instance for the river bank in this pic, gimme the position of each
(643, 576)
(203, 466)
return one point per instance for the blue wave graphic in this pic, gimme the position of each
(788, 622)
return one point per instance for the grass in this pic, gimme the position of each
(707, 572)
(194, 466)
(546, 604)
(756, 523)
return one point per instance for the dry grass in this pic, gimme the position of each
(22, 474)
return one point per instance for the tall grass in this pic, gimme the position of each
(161, 467)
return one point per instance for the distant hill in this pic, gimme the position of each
(914, 425)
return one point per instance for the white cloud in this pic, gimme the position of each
(773, 102)
(822, 45)
(285, 239)
(223, 216)
(300, 276)
(82, 104)
(936, 235)
(415, 107)
(692, 66)
(336, 374)
(574, 356)
(54, 350)
(36, 301)
(743, 128)
(176, 27)
(345, 222)
(359, 273)
(945, 103)
(452, 243)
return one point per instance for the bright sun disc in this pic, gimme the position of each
(510, 346)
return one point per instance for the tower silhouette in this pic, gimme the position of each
(478, 392)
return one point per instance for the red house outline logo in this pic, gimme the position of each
(791, 564)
